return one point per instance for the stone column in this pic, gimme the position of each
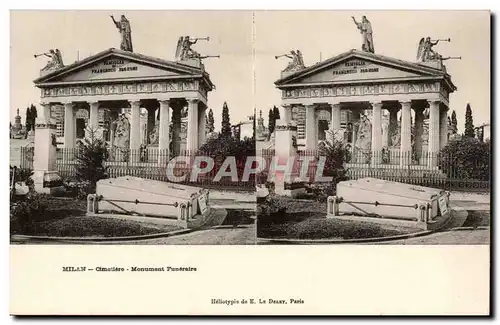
(377, 133)
(419, 130)
(335, 122)
(201, 125)
(393, 123)
(286, 114)
(164, 136)
(135, 127)
(405, 150)
(311, 132)
(69, 125)
(443, 127)
(192, 133)
(151, 122)
(176, 130)
(94, 116)
(45, 114)
(433, 133)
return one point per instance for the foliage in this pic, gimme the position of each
(220, 147)
(226, 124)
(78, 189)
(469, 123)
(31, 208)
(90, 157)
(466, 158)
(336, 154)
(211, 122)
(22, 175)
(321, 191)
(454, 122)
(276, 113)
(271, 124)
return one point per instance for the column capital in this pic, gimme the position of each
(433, 102)
(405, 103)
(164, 101)
(192, 100)
(334, 104)
(134, 102)
(68, 103)
(377, 104)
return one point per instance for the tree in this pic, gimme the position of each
(226, 124)
(254, 125)
(211, 122)
(28, 121)
(466, 159)
(469, 123)
(90, 157)
(454, 123)
(271, 124)
(276, 114)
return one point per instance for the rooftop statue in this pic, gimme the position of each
(297, 62)
(55, 61)
(185, 52)
(425, 52)
(365, 27)
(126, 33)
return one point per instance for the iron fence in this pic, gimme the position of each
(433, 170)
(427, 169)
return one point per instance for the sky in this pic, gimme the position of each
(248, 42)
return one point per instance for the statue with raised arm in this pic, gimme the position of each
(55, 62)
(126, 33)
(365, 27)
(425, 52)
(296, 63)
(184, 50)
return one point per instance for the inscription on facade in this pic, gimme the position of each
(117, 89)
(113, 65)
(361, 90)
(353, 67)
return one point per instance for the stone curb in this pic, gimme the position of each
(102, 239)
(355, 241)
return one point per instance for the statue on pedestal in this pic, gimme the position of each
(154, 135)
(365, 28)
(125, 31)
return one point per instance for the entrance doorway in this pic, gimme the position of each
(80, 128)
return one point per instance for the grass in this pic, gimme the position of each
(477, 218)
(66, 218)
(306, 219)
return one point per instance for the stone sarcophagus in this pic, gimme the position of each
(186, 205)
(373, 197)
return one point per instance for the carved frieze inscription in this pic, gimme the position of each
(125, 88)
(361, 90)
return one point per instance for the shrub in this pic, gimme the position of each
(336, 154)
(220, 147)
(466, 158)
(90, 157)
(22, 175)
(28, 210)
(321, 191)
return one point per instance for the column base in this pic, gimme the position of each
(47, 182)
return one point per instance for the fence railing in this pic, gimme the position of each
(426, 169)
(432, 170)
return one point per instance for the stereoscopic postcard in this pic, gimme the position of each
(250, 162)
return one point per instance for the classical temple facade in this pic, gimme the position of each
(107, 91)
(372, 102)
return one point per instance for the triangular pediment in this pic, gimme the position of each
(115, 65)
(356, 66)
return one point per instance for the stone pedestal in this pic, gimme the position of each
(45, 176)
